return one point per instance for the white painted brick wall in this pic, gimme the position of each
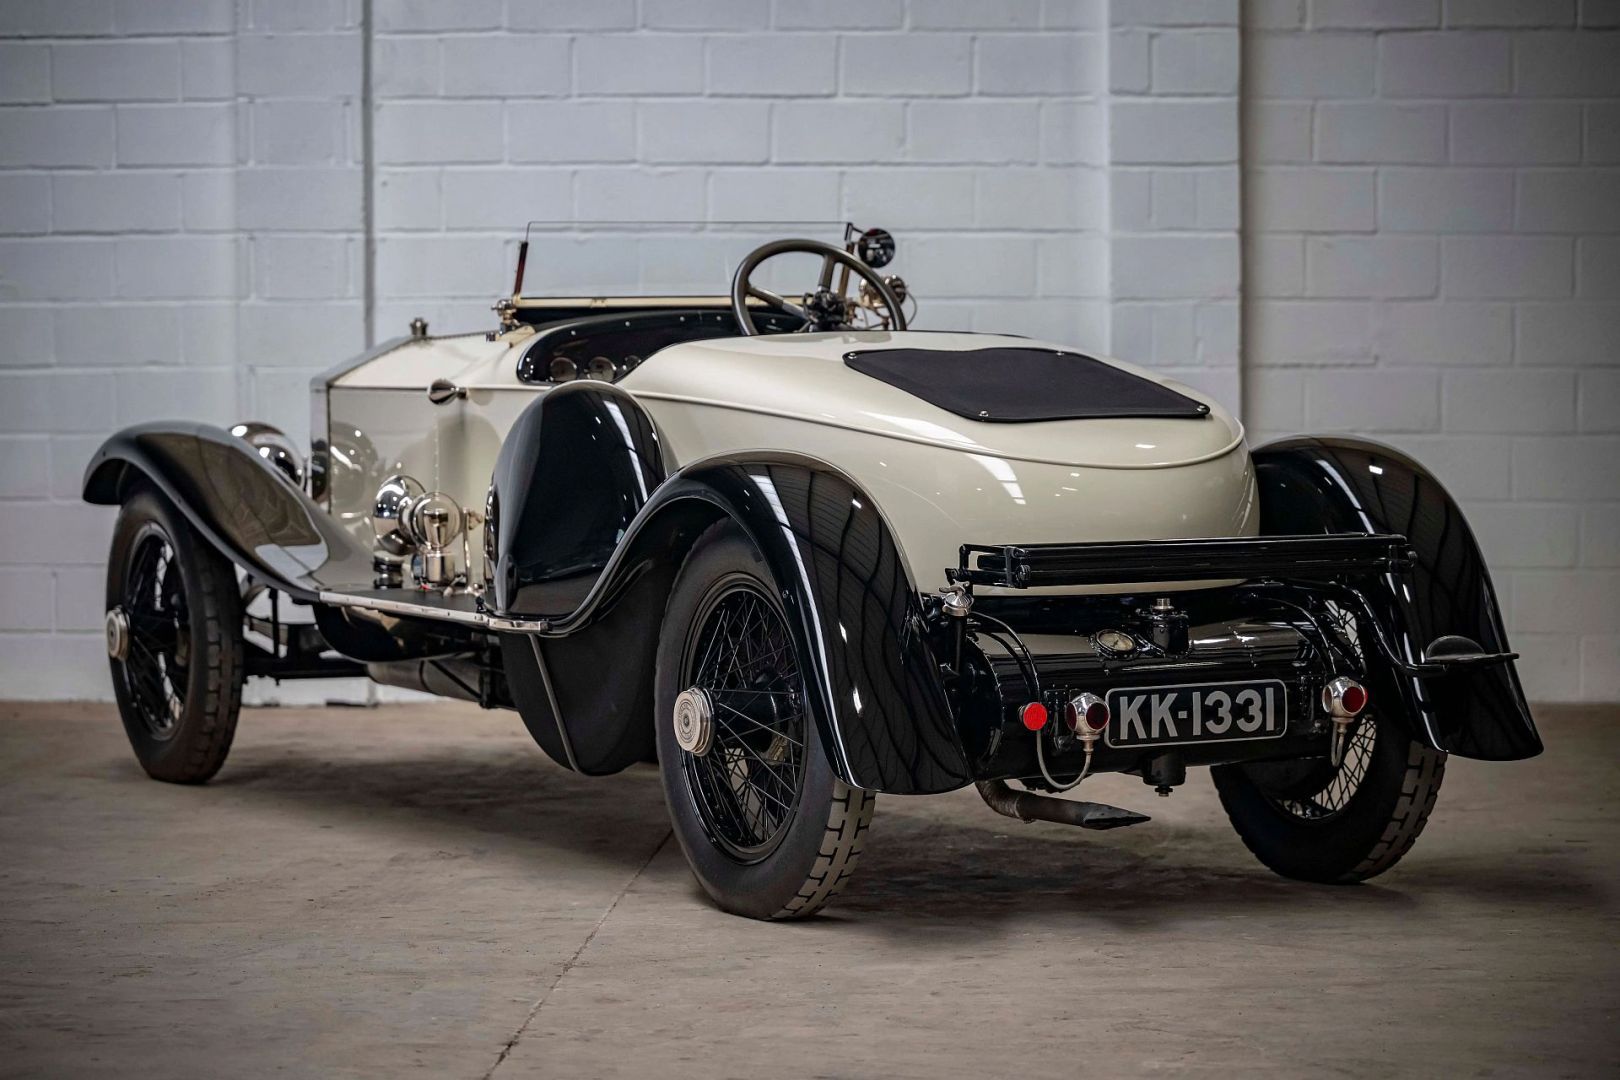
(175, 224)
(964, 117)
(1429, 219)
(1173, 153)
(1405, 224)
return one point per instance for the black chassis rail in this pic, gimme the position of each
(1326, 565)
(1024, 566)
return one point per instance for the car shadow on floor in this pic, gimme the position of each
(1160, 873)
(932, 864)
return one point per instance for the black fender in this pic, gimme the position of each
(572, 476)
(874, 685)
(240, 503)
(1334, 484)
(591, 525)
(576, 469)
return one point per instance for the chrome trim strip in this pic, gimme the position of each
(481, 620)
(625, 303)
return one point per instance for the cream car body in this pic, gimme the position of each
(939, 479)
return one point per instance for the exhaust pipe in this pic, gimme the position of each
(450, 676)
(1027, 806)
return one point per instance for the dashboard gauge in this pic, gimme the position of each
(601, 368)
(1114, 642)
(562, 369)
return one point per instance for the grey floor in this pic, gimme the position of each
(362, 893)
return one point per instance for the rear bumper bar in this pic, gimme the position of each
(1320, 557)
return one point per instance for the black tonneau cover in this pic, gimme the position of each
(1023, 383)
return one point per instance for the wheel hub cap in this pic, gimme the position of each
(694, 721)
(117, 630)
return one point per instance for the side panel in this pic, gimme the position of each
(1335, 484)
(237, 501)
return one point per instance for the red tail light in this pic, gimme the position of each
(1033, 715)
(1343, 698)
(1087, 709)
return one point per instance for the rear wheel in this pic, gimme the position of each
(767, 828)
(1315, 821)
(174, 635)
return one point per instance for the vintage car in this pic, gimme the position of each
(798, 553)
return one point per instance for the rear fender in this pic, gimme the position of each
(874, 688)
(1333, 484)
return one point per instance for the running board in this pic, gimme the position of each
(1028, 806)
(464, 609)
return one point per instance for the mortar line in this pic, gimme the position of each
(568, 965)
(368, 176)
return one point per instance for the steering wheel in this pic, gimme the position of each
(824, 309)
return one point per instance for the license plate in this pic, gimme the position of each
(1207, 712)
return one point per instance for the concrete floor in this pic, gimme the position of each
(362, 893)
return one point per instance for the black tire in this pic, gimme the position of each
(179, 684)
(798, 851)
(1313, 822)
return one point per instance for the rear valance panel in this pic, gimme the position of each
(1022, 384)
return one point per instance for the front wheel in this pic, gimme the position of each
(769, 831)
(1315, 821)
(174, 635)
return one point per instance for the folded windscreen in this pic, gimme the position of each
(1015, 385)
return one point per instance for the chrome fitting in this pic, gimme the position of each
(272, 444)
(388, 572)
(694, 721)
(956, 600)
(117, 630)
(1342, 699)
(1087, 715)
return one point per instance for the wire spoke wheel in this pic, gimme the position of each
(174, 640)
(155, 668)
(765, 823)
(1340, 785)
(747, 784)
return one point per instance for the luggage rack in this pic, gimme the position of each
(1322, 557)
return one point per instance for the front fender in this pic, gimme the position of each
(855, 615)
(237, 501)
(1333, 484)
(572, 476)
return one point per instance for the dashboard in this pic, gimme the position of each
(609, 347)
